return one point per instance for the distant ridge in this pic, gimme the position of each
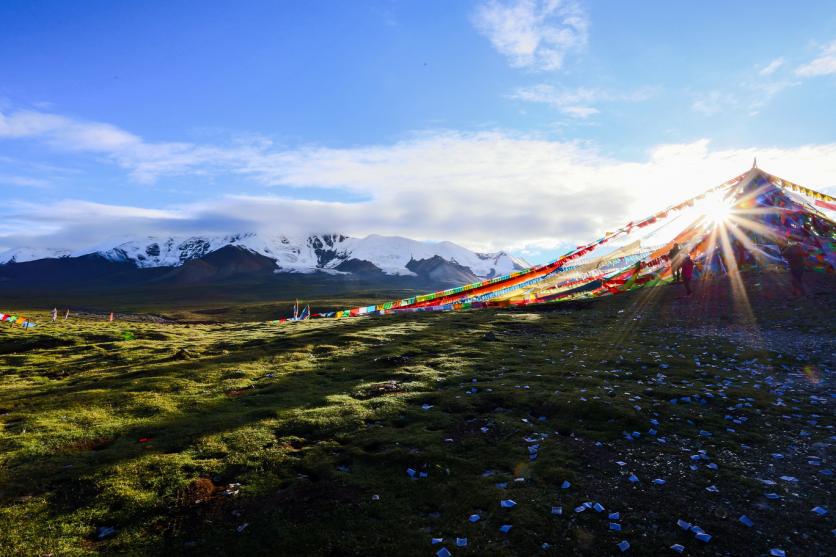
(240, 266)
(332, 253)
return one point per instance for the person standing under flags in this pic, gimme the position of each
(739, 253)
(687, 267)
(673, 257)
(794, 254)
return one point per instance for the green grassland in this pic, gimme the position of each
(148, 428)
(201, 304)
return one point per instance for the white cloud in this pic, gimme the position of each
(772, 67)
(533, 33)
(71, 210)
(749, 95)
(488, 190)
(65, 132)
(824, 64)
(751, 92)
(146, 161)
(22, 181)
(713, 102)
(74, 224)
(576, 102)
(762, 92)
(580, 111)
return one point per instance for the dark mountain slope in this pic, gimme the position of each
(224, 264)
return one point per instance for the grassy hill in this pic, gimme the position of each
(241, 438)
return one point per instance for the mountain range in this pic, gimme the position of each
(333, 261)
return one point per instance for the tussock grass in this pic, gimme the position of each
(319, 421)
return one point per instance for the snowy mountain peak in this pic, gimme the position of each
(304, 254)
(21, 255)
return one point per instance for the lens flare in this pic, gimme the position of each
(717, 209)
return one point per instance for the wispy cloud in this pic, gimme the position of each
(146, 161)
(65, 132)
(713, 102)
(749, 94)
(20, 174)
(22, 181)
(487, 190)
(772, 67)
(533, 33)
(762, 92)
(577, 102)
(823, 64)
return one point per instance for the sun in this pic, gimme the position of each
(716, 208)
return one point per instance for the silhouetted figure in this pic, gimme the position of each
(739, 253)
(687, 267)
(794, 254)
(673, 257)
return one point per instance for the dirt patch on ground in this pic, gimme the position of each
(93, 444)
(390, 387)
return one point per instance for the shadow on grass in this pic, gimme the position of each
(285, 398)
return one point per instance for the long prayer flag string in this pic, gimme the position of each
(511, 289)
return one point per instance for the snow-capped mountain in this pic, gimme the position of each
(21, 255)
(333, 253)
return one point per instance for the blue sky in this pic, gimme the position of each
(516, 124)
